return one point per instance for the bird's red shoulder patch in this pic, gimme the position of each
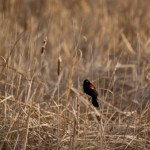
(91, 86)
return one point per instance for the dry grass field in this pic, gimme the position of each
(48, 48)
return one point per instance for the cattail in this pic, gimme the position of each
(59, 65)
(44, 45)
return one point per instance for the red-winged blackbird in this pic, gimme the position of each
(90, 89)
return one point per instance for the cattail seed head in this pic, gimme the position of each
(59, 65)
(44, 45)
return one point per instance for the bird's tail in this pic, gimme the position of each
(94, 101)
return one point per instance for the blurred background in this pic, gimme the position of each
(108, 33)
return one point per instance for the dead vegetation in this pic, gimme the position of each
(42, 104)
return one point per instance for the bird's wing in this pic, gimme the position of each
(93, 89)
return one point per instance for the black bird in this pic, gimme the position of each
(90, 89)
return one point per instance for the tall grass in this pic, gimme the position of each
(42, 104)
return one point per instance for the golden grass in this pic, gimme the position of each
(42, 104)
